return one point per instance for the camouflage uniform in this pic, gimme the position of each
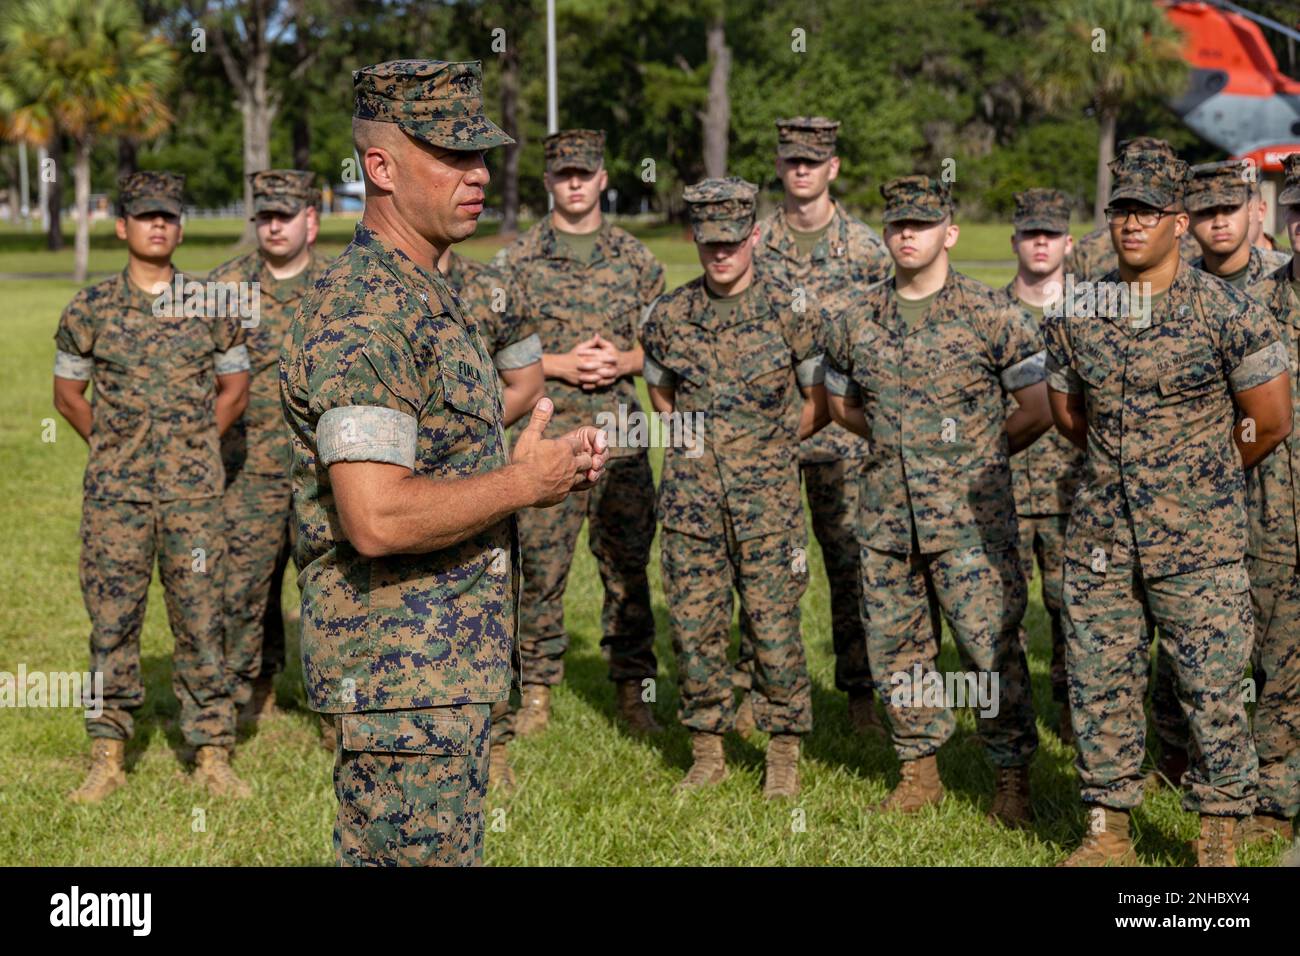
(1044, 475)
(153, 481)
(937, 501)
(1158, 529)
(255, 451)
(1274, 562)
(732, 515)
(410, 650)
(567, 301)
(1209, 185)
(846, 259)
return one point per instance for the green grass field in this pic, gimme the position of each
(588, 794)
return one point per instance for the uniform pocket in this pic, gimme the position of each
(1192, 380)
(405, 732)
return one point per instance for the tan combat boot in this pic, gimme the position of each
(213, 770)
(1216, 846)
(1011, 804)
(745, 725)
(864, 718)
(500, 774)
(709, 766)
(107, 771)
(534, 710)
(1263, 827)
(781, 778)
(634, 711)
(919, 788)
(1107, 842)
(329, 735)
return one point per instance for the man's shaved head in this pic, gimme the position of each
(371, 134)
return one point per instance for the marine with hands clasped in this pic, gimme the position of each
(921, 368)
(404, 489)
(255, 450)
(812, 244)
(169, 380)
(582, 283)
(736, 367)
(1044, 475)
(1171, 398)
(1273, 559)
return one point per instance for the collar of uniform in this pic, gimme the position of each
(430, 287)
(131, 296)
(751, 305)
(1282, 301)
(553, 248)
(283, 290)
(947, 292)
(455, 272)
(781, 238)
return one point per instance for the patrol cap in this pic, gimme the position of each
(283, 190)
(1216, 184)
(575, 149)
(1045, 209)
(806, 137)
(1144, 144)
(437, 102)
(150, 191)
(922, 198)
(1154, 177)
(1290, 194)
(721, 210)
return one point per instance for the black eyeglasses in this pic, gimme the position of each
(1145, 216)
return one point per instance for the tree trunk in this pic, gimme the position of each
(127, 153)
(54, 195)
(301, 128)
(81, 174)
(1105, 153)
(257, 114)
(510, 123)
(717, 113)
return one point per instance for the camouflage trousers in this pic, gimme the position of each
(1042, 538)
(120, 541)
(621, 525)
(982, 594)
(699, 575)
(258, 511)
(833, 501)
(1205, 630)
(411, 786)
(1275, 666)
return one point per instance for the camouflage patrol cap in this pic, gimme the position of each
(1154, 177)
(283, 190)
(150, 191)
(1216, 184)
(922, 198)
(575, 149)
(437, 102)
(1290, 194)
(806, 137)
(721, 210)
(1045, 209)
(1144, 144)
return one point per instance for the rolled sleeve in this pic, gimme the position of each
(76, 367)
(1259, 367)
(839, 384)
(232, 360)
(521, 354)
(656, 375)
(811, 371)
(366, 433)
(1025, 373)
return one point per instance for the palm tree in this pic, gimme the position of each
(85, 69)
(1109, 54)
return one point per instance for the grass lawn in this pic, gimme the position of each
(588, 794)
